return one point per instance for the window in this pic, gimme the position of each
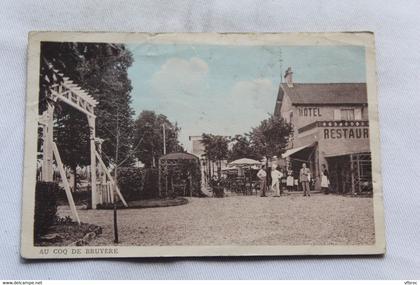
(337, 115)
(347, 114)
(358, 114)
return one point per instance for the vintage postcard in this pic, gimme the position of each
(201, 144)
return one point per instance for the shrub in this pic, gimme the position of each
(67, 220)
(138, 184)
(150, 189)
(79, 197)
(45, 207)
(217, 188)
(130, 182)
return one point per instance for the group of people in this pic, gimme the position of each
(277, 176)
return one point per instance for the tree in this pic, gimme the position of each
(242, 148)
(71, 133)
(106, 75)
(101, 70)
(271, 136)
(215, 149)
(148, 137)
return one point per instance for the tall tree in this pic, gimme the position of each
(215, 149)
(242, 148)
(71, 133)
(101, 70)
(148, 137)
(271, 136)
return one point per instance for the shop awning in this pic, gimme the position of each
(291, 151)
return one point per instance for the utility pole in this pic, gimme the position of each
(164, 139)
(281, 65)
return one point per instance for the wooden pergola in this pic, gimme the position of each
(68, 92)
(167, 165)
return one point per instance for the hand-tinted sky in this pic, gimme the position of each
(227, 90)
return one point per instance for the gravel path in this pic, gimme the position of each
(242, 220)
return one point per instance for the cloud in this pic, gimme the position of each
(258, 94)
(179, 77)
(185, 95)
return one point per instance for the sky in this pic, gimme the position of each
(227, 90)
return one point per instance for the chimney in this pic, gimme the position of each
(288, 76)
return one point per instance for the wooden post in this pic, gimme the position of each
(103, 187)
(352, 174)
(111, 193)
(191, 184)
(108, 192)
(115, 224)
(359, 190)
(91, 121)
(164, 139)
(65, 182)
(159, 178)
(166, 181)
(111, 179)
(48, 134)
(317, 172)
(99, 187)
(172, 186)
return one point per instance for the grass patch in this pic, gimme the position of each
(148, 203)
(65, 234)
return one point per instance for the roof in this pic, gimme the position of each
(279, 101)
(326, 93)
(244, 161)
(179, 155)
(289, 152)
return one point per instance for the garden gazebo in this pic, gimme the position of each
(179, 174)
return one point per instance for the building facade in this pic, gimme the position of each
(330, 128)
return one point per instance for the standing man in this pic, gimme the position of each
(262, 176)
(304, 179)
(276, 175)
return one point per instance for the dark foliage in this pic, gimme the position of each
(148, 137)
(217, 187)
(101, 69)
(45, 207)
(130, 183)
(242, 148)
(185, 173)
(64, 221)
(150, 186)
(215, 149)
(270, 137)
(79, 197)
(71, 134)
(138, 184)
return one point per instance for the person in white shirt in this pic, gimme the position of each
(262, 176)
(290, 182)
(276, 175)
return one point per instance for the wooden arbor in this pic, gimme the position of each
(361, 173)
(66, 91)
(185, 168)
